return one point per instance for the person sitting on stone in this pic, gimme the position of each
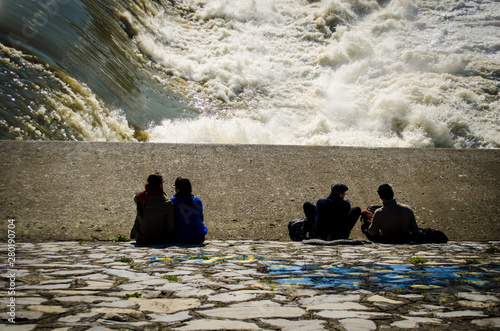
(393, 222)
(188, 214)
(155, 222)
(332, 218)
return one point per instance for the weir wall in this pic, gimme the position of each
(84, 190)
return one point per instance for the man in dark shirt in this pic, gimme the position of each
(332, 218)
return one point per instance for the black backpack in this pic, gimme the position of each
(430, 236)
(297, 229)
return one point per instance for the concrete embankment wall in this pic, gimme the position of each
(83, 190)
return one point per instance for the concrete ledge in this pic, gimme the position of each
(83, 190)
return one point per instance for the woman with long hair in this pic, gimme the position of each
(188, 211)
(155, 222)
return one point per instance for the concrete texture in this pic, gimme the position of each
(84, 190)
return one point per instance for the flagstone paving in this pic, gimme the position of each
(250, 285)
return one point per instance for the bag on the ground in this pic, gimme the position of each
(297, 229)
(430, 236)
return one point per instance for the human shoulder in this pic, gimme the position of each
(378, 210)
(404, 206)
(321, 202)
(197, 202)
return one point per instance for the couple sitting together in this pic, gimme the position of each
(334, 218)
(160, 221)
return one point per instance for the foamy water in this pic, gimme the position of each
(333, 72)
(278, 72)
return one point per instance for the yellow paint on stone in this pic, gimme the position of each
(425, 287)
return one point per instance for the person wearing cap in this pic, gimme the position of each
(393, 222)
(332, 218)
(155, 222)
(188, 211)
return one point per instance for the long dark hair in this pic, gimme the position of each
(154, 186)
(155, 181)
(183, 185)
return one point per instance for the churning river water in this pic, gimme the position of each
(397, 73)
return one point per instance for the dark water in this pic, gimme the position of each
(67, 66)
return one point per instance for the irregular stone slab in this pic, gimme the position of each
(30, 300)
(99, 328)
(322, 299)
(84, 298)
(433, 307)
(131, 275)
(291, 325)
(76, 318)
(218, 325)
(56, 281)
(411, 322)
(28, 314)
(158, 281)
(117, 304)
(184, 291)
(13, 327)
(379, 298)
(199, 280)
(235, 296)
(339, 306)
(358, 324)
(338, 314)
(477, 297)
(97, 256)
(45, 287)
(74, 292)
(463, 313)
(178, 273)
(254, 309)
(167, 306)
(493, 323)
(64, 273)
(112, 312)
(99, 276)
(96, 285)
(476, 304)
(49, 309)
(170, 318)
(137, 286)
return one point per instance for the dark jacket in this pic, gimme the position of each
(189, 218)
(331, 220)
(155, 222)
(393, 223)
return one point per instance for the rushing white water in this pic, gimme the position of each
(355, 73)
(390, 73)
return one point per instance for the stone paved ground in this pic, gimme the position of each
(251, 285)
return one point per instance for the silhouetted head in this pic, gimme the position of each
(339, 189)
(385, 192)
(183, 186)
(154, 181)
